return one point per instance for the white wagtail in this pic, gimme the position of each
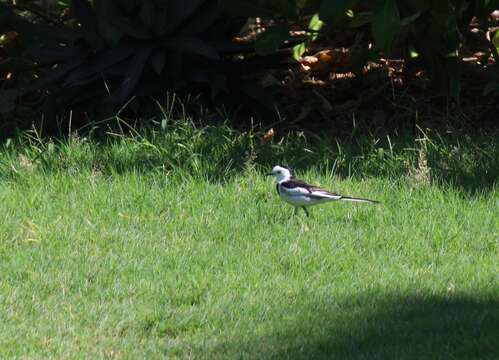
(301, 195)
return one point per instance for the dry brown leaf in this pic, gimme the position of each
(327, 61)
(269, 135)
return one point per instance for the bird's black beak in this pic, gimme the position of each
(269, 174)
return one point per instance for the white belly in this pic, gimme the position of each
(302, 200)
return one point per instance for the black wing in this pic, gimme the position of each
(294, 183)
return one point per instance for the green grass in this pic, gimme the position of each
(172, 244)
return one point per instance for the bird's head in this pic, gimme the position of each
(281, 173)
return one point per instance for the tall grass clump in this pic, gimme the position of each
(217, 152)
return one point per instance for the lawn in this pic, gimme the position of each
(171, 243)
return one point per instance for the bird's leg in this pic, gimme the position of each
(306, 211)
(296, 210)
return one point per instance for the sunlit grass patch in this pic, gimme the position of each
(173, 243)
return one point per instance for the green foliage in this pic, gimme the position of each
(113, 50)
(314, 26)
(334, 11)
(432, 29)
(119, 49)
(272, 39)
(386, 25)
(495, 40)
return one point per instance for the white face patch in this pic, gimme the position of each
(281, 173)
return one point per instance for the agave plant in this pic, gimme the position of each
(116, 49)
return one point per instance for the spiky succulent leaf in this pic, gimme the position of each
(123, 48)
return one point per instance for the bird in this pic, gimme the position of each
(302, 195)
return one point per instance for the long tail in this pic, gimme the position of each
(352, 199)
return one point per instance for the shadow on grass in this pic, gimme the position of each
(395, 328)
(217, 153)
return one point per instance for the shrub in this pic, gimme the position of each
(115, 49)
(429, 32)
(112, 50)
